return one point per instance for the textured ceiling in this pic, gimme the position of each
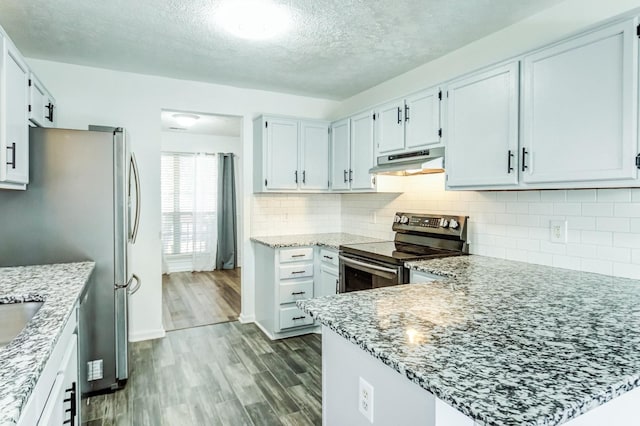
(207, 124)
(336, 48)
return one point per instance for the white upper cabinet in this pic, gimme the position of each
(422, 119)
(481, 129)
(282, 153)
(41, 103)
(340, 154)
(290, 155)
(410, 124)
(579, 108)
(14, 116)
(314, 145)
(390, 127)
(362, 152)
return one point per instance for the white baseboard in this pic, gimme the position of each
(147, 335)
(245, 319)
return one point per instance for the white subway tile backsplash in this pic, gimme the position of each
(582, 250)
(600, 238)
(597, 209)
(553, 248)
(582, 195)
(614, 224)
(528, 195)
(527, 244)
(635, 225)
(517, 208)
(630, 240)
(556, 195)
(567, 262)
(597, 266)
(507, 196)
(635, 256)
(582, 223)
(615, 254)
(635, 195)
(541, 208)
(627, 270)
(567, 209)
(614, 195)
(627, 209)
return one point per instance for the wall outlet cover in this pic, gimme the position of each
(558, 230)
(365, 399)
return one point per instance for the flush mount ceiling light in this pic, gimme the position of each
(253, 19)
(186, 120)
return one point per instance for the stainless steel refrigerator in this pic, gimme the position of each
(82, 203)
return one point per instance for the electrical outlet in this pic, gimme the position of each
(373, 217)
(365, 399)
(558, 231)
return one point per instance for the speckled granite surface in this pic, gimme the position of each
(332, 240)
(22, 360)
(505, 343)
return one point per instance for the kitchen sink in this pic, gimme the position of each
(14, 317)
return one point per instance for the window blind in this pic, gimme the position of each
(188, 202)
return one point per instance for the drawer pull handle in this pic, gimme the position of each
(297, 272)
(298, 255)
(298, 318)
(328, 257)
(297, 293)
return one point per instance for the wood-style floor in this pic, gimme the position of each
(223, 374)
(192, 299)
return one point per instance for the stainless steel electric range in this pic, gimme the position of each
(418, 236)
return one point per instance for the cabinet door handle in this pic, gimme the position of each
(337, 286)
(350, 175)
(298, 318)
(298, 255)
(297, 272)
(298, 293)
(296, 175)
(304, 176)
(399, 115)
(73, 409)
(328, 257)
(509, 158)
(406, 112)
(345, 176)
(524, 159)
(12, 163)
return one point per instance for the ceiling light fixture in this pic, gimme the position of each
(186, 120)
(253, 19)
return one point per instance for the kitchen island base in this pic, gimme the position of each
(398, 401)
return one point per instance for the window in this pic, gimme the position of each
(189, 199)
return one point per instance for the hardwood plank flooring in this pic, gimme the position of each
(223, 374)
(193, 299)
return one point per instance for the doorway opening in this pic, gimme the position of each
(201, 213)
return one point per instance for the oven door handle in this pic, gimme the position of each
(368, 265)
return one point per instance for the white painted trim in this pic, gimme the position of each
(246, 319)
(147, 335)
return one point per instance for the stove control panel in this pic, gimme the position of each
(426, 223)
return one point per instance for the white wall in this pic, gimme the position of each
(95, 96)
(212, 144)
(545, 27)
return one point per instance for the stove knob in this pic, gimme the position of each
(453, 224)
(404, 219)
(396, 219)
(444, 223)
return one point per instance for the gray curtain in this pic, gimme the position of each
(227, 253)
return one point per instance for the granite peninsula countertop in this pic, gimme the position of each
(22, 360)
(332, 240)
(503, 342)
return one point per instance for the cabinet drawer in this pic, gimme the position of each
(329, 256)
(292, 291)
(296, 254)
(300, 270)
(294, 317)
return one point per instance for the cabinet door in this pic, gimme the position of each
(328, 281)
(482, 128)
(14, 126)
(390, 127)
(362, 152)
(422, 120)
(339, 164)
(69, 369)
(37, 101)
(580, 108)
(314, 145)
(282, 153)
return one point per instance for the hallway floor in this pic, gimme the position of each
(192, 299)
(223, 374)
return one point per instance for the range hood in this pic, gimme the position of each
(421, 162)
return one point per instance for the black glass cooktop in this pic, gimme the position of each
(393, 252)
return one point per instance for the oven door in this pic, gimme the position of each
(364, 274)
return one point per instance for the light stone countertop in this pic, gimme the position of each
(503, 342)
(331, 240)
(23, 359)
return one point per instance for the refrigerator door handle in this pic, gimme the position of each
(137, 286)
(135, 174)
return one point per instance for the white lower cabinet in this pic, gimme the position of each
(423, 277)
(329, 273)
(55, 398)
(283, 276)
